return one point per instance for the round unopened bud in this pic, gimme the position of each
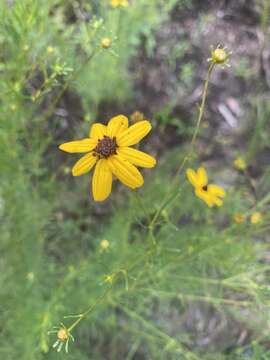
(106, 43)
(137, 116)
(104, 244)
(240, 164)
(239, 218)
(62, 335)
(50, 50)
(256, 218)
(220, 56)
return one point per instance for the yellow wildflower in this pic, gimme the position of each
(106, 43)
(240, 164)
(220, 55)
(256, 218)
(104, 244)
(239, 218)
(50, 50)
(30, 276)
(209, 193)
(108, 147)
(119, 3)
(109, 279)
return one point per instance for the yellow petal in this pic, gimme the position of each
(203, 195)
(217, 201)
(98, 131)
(116, 125)
(84, 165)
(127, 173)
(202, 176)
(102, 181)
(79, 146)
(192, 177)
(134, 133)
(216, 190)
(137, 157)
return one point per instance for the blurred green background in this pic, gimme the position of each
(202, 291)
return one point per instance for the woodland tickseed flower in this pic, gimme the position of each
(209, 193)
(50, 50)
(106, 43)
(256, 218)
(220, 55)
(240, 164)
(104, 244)
(239, 218)
(119, 3)
(108, 147)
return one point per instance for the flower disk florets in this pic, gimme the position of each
(63, 334)
(106, 147)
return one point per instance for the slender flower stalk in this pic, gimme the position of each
(171, 195)
(219, 56)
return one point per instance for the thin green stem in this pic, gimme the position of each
(199, 120)
(100, 299)
(170, 341)
(138, 198)
(89, 309)
(169, 196)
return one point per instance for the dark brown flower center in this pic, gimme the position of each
(106, 147)
(205, 187)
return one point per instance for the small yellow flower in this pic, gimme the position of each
(240, 164)
(109, 279)
(13, 107)
(220, 55)
(104, 244)
(119, 3)
(106, 43)
(108, 147)
(256, 218)
(136, 116)
(209, 193)
(239, 218)
(30, 276)
(50, 50)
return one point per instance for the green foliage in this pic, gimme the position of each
(165, 261)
